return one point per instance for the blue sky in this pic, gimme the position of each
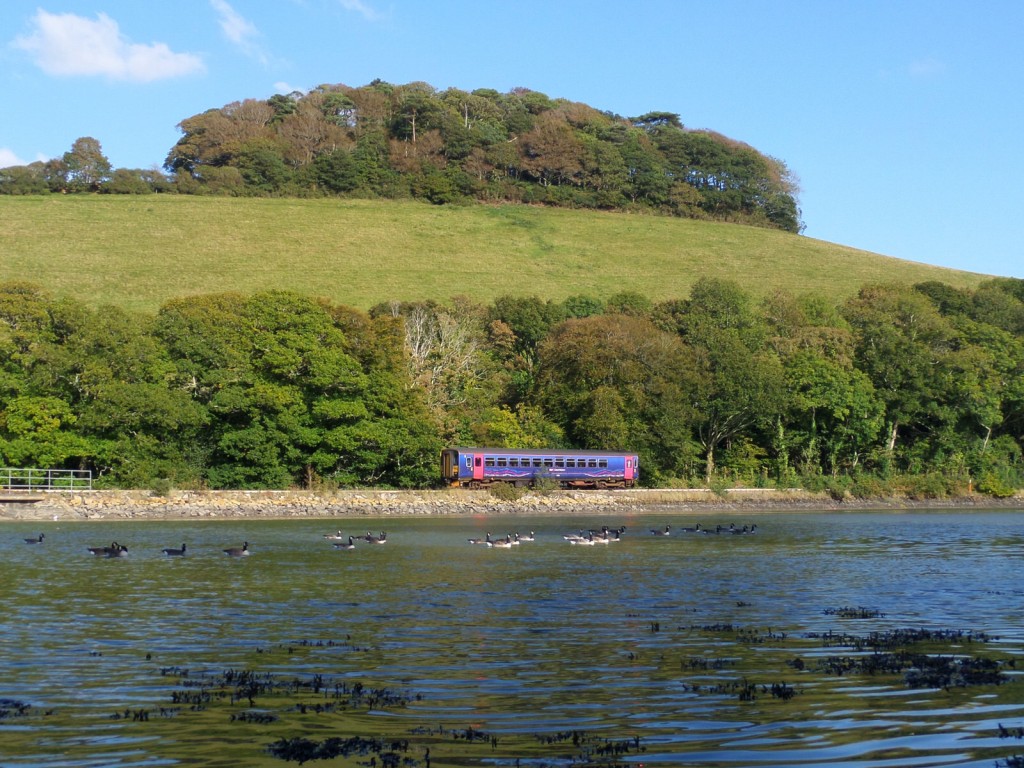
(900, 118)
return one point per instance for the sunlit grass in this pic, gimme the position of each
(137, 252)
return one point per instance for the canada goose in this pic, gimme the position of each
(382, 539)
(745, 530)
(505, 543)
(694, 529)
(486, 540)
(665, 532)
(350, 544)
(35, 541)
(528, 537)
(335, 536)
(105, 551)
(241, 551)
(119, 551)
(608, 535)
(175, 552)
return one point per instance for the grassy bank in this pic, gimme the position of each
(136, 252)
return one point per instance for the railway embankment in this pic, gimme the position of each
(213, 505)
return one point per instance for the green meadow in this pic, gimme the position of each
(138, 251)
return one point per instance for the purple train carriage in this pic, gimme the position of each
(481, 467)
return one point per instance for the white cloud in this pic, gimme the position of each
(236, 28)
(9, 159)
(68, 45)
(239, 30)
(364, 10)
(286, 89)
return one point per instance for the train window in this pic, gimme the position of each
(502, 461)
(570, 463)
(559, 461)
(592, 462)
(602, 463)
(489, 461)
(549, 462)
(513, 462)
(537, 461)
(469, 462)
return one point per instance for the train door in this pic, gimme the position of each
(478, 466)
(630, 468)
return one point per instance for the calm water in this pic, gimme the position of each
(665, 648)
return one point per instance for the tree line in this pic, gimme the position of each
(412, 141)
(912, 388)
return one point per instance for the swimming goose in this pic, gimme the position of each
(335, 536)
(505, 543)
(119, 551)
(241, 551)
(35, 541)
(175, 552)
(665, 532)
(694, 529)
(351, 544)
(382, 539)
(105, 550)
(529, 537)
(745, 530)
(486, 540)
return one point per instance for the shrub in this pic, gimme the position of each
(719, 485)
(996, 484)
(161, 486)
(869, 487)
(506, 491)
(544, 485)
(932, 485)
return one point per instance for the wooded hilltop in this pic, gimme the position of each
(400, 141)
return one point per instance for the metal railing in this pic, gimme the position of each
(68, 480)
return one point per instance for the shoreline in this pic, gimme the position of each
(269, 505)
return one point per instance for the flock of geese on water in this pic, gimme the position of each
(584, 537)
(120, 550)
(605, 535)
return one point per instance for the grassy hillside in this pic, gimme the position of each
(138, 251)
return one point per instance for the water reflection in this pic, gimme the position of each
(704, 649)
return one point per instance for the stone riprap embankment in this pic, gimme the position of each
(198, 505)
(104, 505)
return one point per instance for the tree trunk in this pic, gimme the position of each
(892, 436)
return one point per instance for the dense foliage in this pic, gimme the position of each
(919, 385)
(385, 140)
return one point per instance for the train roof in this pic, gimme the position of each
(539, 452)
